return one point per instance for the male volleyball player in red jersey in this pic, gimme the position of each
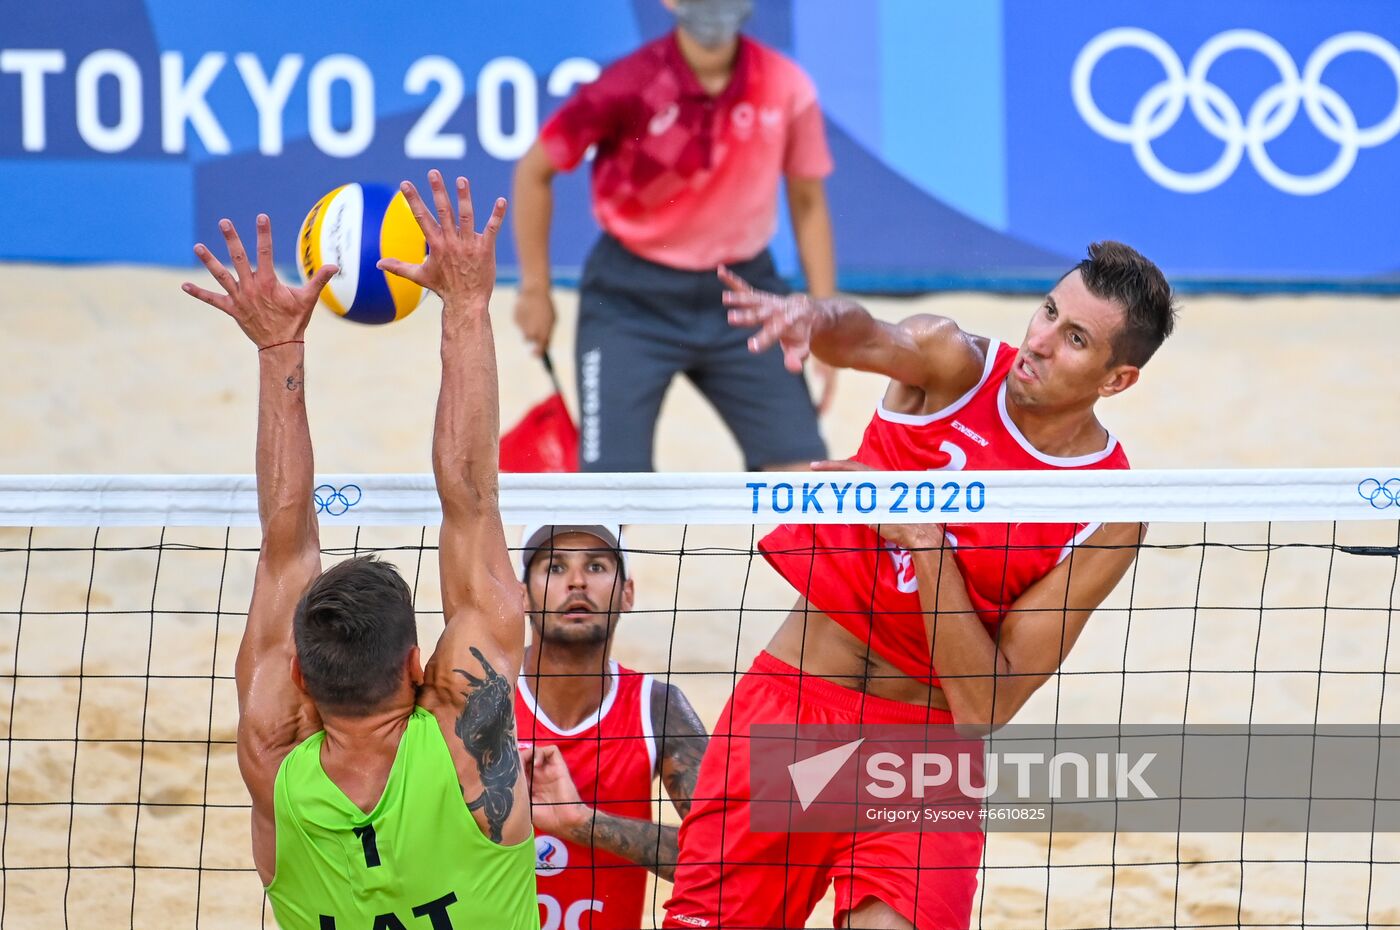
(883, 634)
(595, 735)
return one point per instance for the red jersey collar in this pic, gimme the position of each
(690, 84)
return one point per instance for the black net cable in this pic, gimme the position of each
(77, 725)
(10, 733)
(1185, 710)
(1122, 705)
(1380, 718)
(145, 707)
(209, 726)
(1253, 694)
(1219, 605)
(1317, 716)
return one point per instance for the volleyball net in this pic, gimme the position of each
(1258, 599)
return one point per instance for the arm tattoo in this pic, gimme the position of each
(646, 843)
(296, 379)
(486, 728)
(681, 744)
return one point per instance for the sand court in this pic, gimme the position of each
(122, 797)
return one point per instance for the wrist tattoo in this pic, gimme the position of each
(296, 379)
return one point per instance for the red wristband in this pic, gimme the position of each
(276, 344)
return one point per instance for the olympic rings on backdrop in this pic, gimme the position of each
(1380, 495)
(334, 501)
(1267, 118)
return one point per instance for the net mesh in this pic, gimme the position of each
(123, 805)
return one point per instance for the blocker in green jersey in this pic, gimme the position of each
(386, 795)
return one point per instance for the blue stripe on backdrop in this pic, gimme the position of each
(965, 155)
(60, 210)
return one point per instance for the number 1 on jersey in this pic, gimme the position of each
(366, 835)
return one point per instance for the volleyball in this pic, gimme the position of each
(353, 227)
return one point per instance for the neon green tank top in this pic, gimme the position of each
(418, 860)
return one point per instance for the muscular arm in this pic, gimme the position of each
(680, 745)
(987, 681)
(681, 740)
(925, 352)
(472, 671)
(273, 715)
(645, 842)
(469, 683)
(271, 709)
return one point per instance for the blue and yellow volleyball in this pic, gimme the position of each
(353, 227)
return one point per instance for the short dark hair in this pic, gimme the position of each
(1122, 274)
(353, 629)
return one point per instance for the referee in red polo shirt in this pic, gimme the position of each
(693, 132)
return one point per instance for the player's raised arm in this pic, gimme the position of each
(470, 679)
(921, 351)
(273, 714)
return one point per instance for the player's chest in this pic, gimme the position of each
(960, 442)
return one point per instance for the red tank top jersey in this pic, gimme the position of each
(612, 758)
(868, 585)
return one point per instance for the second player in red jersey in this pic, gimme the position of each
(868, 585)
(595, 737)
(934, 624)
(611, 759)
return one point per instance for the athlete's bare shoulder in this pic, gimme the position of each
(955, 361)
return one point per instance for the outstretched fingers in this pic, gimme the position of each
(218, 301)
(494, 221)
(403, 269)
(732, 281)
(774, 325)
(441, 201)
(216, 268)
(419, 209)
(794, 357)
(749, 316)
(465, 216)
(311, 290)
(236, 250)
(265, 264)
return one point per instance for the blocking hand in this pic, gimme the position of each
(267, 310)
(461, 262)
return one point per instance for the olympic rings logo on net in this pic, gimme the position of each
(1267, 118)
(335, 501)
(1378, 494)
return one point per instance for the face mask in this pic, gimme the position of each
(713, 23)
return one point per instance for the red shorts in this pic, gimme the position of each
(731, 878)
